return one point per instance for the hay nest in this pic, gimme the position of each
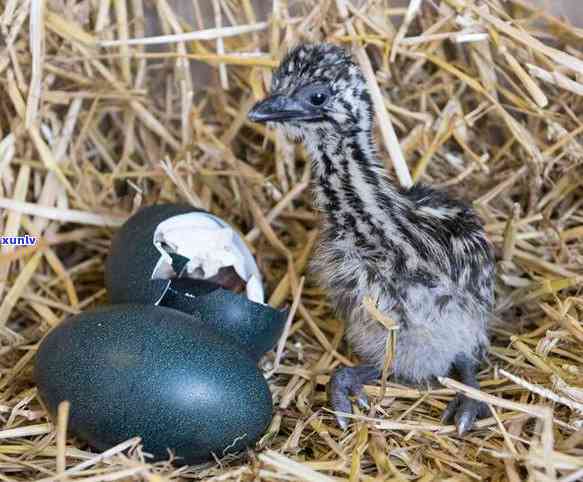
(485, 98)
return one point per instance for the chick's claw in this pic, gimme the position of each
(346, 382)
(464, 411)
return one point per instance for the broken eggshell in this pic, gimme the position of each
(180, 257)
(254, 326)
(169, 240)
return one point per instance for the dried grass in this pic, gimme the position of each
(485, 98)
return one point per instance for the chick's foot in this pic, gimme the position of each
(464, 411)
(350, 381)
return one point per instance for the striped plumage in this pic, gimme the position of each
(421, 255)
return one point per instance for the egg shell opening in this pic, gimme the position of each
(210, 245)
(153, 372)
(254, 326)
(137, 260)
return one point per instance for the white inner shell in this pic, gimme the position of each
(209, 244)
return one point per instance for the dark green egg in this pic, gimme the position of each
(128, 271)
(153, 372)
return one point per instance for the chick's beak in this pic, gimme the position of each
(280, 108)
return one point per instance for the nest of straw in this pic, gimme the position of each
(485, 99)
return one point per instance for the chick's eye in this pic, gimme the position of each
(318, 98)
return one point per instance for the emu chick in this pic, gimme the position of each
(420, 255)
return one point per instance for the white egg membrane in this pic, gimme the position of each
(210, 244)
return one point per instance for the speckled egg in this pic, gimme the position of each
(153, 372)
(144, 266)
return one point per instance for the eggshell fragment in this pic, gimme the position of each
(255, 327)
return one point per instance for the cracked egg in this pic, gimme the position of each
(179, 257)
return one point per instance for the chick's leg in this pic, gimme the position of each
(349, 381)
(464, 410)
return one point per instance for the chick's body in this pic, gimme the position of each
(440, 298)
(420, 255)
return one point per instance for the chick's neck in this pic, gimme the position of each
(351, 186)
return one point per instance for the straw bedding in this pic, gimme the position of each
(485, 99)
